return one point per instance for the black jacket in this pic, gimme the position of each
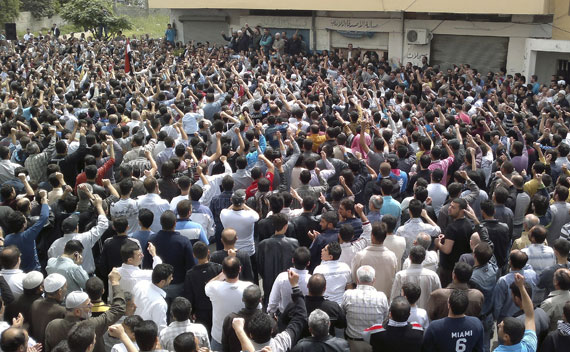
(194, 283)
(303, 224)
(499, 235)
(68, 163)
(274, 255)
(395, 338)
(246, 273)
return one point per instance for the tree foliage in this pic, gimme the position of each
(9, 10)
(39, 8)
(91, 14)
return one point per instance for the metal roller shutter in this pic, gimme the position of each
(204, 29)
(482, 53)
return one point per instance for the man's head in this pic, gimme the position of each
(184, 209)
(457, 208)
(14, 340)
(375, 203)
(417, 255)
(511, 331)
(412, 291)
(365, 275)
(482, 253)
(186, 342)
(81, 337)
(168, 220)
(415, 208)
(55, 287)
(317, 285)
(162, 275)
(10, 258)
(331, 251)
(561, 279)
(146, 335)
(379, 233)
(251, 296)
(180, 309)
(95, 288)
(516, 293)
(131, 253)
(561, 249)
(79, 304)
(280, 223)
(462, 272)
(319, 324)
(146, 218)
(400, 309)
(231, 267)
(537, 234)
(517, 259)
(346, 208)
(329, 220)
(301, 258)
(229, 237)
(458, 302)
(32, 283)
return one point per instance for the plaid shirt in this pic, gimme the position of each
(168, 334)
(37, 164)
(364, 307)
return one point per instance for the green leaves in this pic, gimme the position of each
(90, 14)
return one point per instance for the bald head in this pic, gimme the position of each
(229, 237)
(317, 285)
(13, 340)
(424, 240)
(251, 296)
(474, 241)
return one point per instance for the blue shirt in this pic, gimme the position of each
(170, 34)
(454, 334)
(270, 132)
(528, 343)
(174, 249)
(392, 207)
(319, 243)
(192, 230)
(26, 242)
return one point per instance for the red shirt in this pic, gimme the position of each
(252, 189)
(81, 178)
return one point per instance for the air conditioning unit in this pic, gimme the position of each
(417, 36)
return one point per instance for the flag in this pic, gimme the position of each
(128, 57)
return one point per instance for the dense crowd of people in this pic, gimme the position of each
(260, 196)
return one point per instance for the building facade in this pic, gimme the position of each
(490, 35)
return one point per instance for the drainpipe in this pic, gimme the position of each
(314, 30)
(403, 37)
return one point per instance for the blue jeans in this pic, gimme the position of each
(216, 346)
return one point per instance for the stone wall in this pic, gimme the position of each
(26, 20)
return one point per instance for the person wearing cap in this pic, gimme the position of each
(70, 228)
(48, 308)
(33, 290)
(78, 307)
(25, 238)
(69, 265)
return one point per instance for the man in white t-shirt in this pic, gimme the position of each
(153, 202)
(242, 219)
(226, 293)
(337, 273)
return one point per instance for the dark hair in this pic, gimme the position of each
(200, 250)
(180, 309)
(309, 203)
(259, 326)
(128, 250)
(518, 259)
(91, 172)
(488, 207)
(16, 220)
(538, 232)
(463, 272)
(184, 208)
(390, 221)
(227, 183)
(412, 291)
(9, 257)
(379, 231)
(168, 220)
(80, 337)
(161, 272)
(301, 258)
(483, 253)
(417, 254)
(185, 342)
(400, 309)
(562, 246)
(94, 287)
(562, 277)
(150, 184)
(132, 321)
(348, 205)
(73, 246)
(346, 232)
(415, 208)
(517, 292)
(317, 285)
(330, 217)
(334, 250)
(146, 334)
(458, 302)
(279, 221)
(251, 296)
(501, 194)
(231, 267)
(514, 328)
(386, 186)
(146, 217)
(120, 224)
